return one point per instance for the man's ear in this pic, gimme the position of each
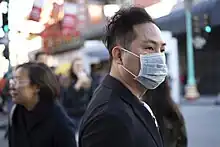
(117, 54)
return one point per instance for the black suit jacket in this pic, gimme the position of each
(116, 118)
(46, 126)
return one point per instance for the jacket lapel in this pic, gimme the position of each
(140, 111)
(39, 114)
(11, 114)
(145, 117)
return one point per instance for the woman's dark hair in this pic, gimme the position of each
(162, 104)
(71, 72)
(42, 76)
(169, 117)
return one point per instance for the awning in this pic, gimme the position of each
(215, 14)
(101, 55)
(95, 49)
(175, 22)
(94, 31)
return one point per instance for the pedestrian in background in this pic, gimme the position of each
(5, 94)
(78, 92)
(170, 119)
(37, 119)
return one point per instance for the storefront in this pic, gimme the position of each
(206, 57)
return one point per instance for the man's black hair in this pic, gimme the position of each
(120, 27)
(38, 54)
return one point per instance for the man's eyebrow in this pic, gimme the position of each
(154, 42)
(150, 41)
(164, 44)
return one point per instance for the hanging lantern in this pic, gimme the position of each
(35, 14)
(95, 13)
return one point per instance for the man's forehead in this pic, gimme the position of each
(148, 31)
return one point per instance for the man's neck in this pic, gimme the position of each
(136, 89)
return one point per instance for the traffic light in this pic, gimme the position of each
(207, 24)
(196, 26)
(5, 17)
(4, 7)
(5, 22)
(6, 52)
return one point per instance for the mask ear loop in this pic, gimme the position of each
(135, 77)
(129, 72)
(130, 52)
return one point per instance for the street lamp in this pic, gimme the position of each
(191, 91)
(3, 7)
(110, 10)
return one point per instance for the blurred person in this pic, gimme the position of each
(170, 119)
(64, 82)
(100, 70)
(53, 68)
(116, 116)
(41, 57)
(5, 97)
(37, 119)
(4, 92)
(3, 85)
(6, 104)
(96, 74)
(78, 92)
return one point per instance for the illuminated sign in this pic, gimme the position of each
(61, 44)
(54, 41)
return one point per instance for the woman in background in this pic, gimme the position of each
(78, 91)
(37, 119)
(168, 115)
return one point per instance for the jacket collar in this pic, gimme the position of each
(116, 85)
(140, 111)
(41, 111)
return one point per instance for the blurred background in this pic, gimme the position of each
(65, 29)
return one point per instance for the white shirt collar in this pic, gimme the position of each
(151, 112)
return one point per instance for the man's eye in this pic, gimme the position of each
(162, 50)
(149, 48)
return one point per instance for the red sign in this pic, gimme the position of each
(70, 20)
(62, 34)
(37, 9)
(50, 36)
(54, 40)
(69, 24)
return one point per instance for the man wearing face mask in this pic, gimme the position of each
(116, 116)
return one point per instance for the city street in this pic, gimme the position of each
(202, 120)
(202, 125)
(54, 50)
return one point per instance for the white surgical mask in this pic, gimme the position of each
(153, 69)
